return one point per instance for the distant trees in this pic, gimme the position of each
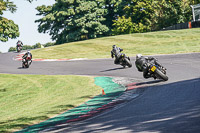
(28, 47)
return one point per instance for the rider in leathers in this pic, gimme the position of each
(20, 43)
(116, 51)
(141, 64)
(27, 54)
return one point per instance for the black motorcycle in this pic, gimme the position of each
(26, 62)
(19, 48)
(125, 61)
(157, 72)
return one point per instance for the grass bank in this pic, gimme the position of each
(161, 42)
(29, 99)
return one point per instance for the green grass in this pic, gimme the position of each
(161, 42)
(29, 99)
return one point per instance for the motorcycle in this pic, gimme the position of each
(19, 48)
(125, 61)
(157, 72)
(26, 62)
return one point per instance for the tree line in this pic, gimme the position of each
(28, 47)
(74, 20)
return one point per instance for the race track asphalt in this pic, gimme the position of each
(171, 106)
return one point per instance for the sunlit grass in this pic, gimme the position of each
(161, 42)
(29, 99)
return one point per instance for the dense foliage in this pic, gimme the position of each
(69, 20)
(8, 29)
(72, 20)
(151, 15)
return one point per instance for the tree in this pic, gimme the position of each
(8, 29)
(70, 20)
(150, 15)
(114, 9)
(123, 26)
(137, 13)
(168, 12)
(12, 49)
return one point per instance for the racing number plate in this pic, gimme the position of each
(153, 68)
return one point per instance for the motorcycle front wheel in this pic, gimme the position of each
(161, 75)
(128, 63)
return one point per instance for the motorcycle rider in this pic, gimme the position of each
(116, 51)
(27, 54)
(142, 66)
(19, 43)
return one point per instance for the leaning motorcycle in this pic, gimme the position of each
(157, 72)
(26, 62)
(125, 61)
(19, 48)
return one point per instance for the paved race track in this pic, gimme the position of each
(172, 106)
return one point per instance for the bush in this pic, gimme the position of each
(49, 44)
(37, 45)
(27, 47)
(12, 49)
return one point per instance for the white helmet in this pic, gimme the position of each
(138, 56)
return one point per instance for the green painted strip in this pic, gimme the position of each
(112, 91)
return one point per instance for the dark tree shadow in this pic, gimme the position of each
(3, 90)
(88, 96)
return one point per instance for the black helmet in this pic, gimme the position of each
(114, 46)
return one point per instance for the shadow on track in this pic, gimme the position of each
(113, 69)
(21, 68)
(165, 108)
(150, 82)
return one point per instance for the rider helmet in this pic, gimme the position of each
(114, 46)
(138, 56)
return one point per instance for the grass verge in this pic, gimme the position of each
(161, 42)
(29, 99)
